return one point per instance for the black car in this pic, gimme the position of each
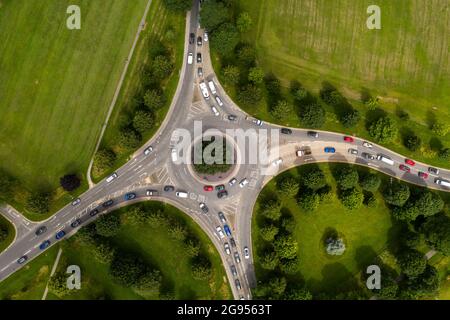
(433, 170)
(313, 134)
(191, 38)
(93, 212)
(169, 188)
(199, 57)
(286, 131)
(76, 223)
(368, 156)
(22, 260)
(232, 242)
(108, 203)
(232, 117)
(200, 72)
(41, 230)
(199, 41)
(233, 270)
(238, 284)
(222, 194)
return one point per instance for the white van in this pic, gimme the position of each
(174, 154)
(212, 87)
(442, 183)
(385, 159)
(111, 177)
(181, 194)
(190, 58)
(204, 90)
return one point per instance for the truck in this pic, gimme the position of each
(385, 159)
(442, 182)
(303, 152)
(212, 87)
(204, 90)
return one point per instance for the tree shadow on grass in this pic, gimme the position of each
(374, 115)
(336, 278)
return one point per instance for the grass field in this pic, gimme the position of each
(153, 244)
(11, 233)
(367, 233)
(56, 84)
(312, 41)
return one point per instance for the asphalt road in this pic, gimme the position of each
(156, 170)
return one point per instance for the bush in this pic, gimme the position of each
(244, 22)
(383, 130)
(70, 182)
(231, 74)
(312, 116)
(444, 154)
(103, 161)
(440, 128)
(352, 198)
(108, 225)
(38, 203)
(58, 284)
(256, 75)
(103, 252)
(143, 121)
(347, 177)
(370, 182)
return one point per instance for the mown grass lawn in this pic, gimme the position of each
(159, 250)
(367, 233)
(11, 233)
(56, 84)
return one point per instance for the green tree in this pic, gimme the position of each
(351, 118)
(38, 203)
(201, 268)
(244, 22)
(314, 179)
(250, 95)
(396, 194)
(178, 232)
(282, 110)
(271, 210)
(269, 260)
(312, 116)
(213, 14)
(285, 246)
(370, 182)
(154, 99)
(127, 269)
(410, 239)
(3, 233)
(256, 75)
(103, 252)
(149, 282)
(437, 231)
(389, 288)
(425, 284)
(352, 198)
(129, 139)
(103, 161)
(413, 142)
(178, 5)
(289, 187)
(369, 200)
(383, 130)
(440, 128)
(58, 284)
(268, 232)
(191, 247)
(347, 177)
(325, 193)
(231, 74)
(161, 67)
(143, 121)
(246, 55)
(412, 262)
(290, 266)
(308, 200)
(108, 225)
(288, 223)
(297, 293)
(444, 154)
(225, 39)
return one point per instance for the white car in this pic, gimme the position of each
(226, 246)
(181, 194)
(111, 177)
(204, 90)
(214, 110)
(367, 144)
(258, 122)
(277, 162)
(232, 182)
(246, 253)
(205, 36)
(174, 154)
(76, 202)
(212, 87)
(219, 101)
(148, 150)
(220, 232)
(243, 183)
(190, 58)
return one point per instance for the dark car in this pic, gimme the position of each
(233, 270)
(44, 245)
(93, 212)
(200, 72)
(199, 57)
(108, 203)
(222, 194)
(368, 156)
(232, 242)
(237, 258)
(204, 207)
(227, 230)
(232, 117)
(286, 131)
(60, 234)
(238, 284)
(220, 187)
(130, 196)
(191, 38)
(222, 217)
(313, 134)
(433, 170)
(169, 188)
(41, 230)
(22, 260)
(199, 41)
(76, 223)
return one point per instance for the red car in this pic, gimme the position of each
(404, 168)
(348, 139)
(208, 188)
(410, 162)
(423, 175)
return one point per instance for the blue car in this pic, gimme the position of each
(130, 196)
(227, 230)
(60, 234)
(44, 245)
(329, 150)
